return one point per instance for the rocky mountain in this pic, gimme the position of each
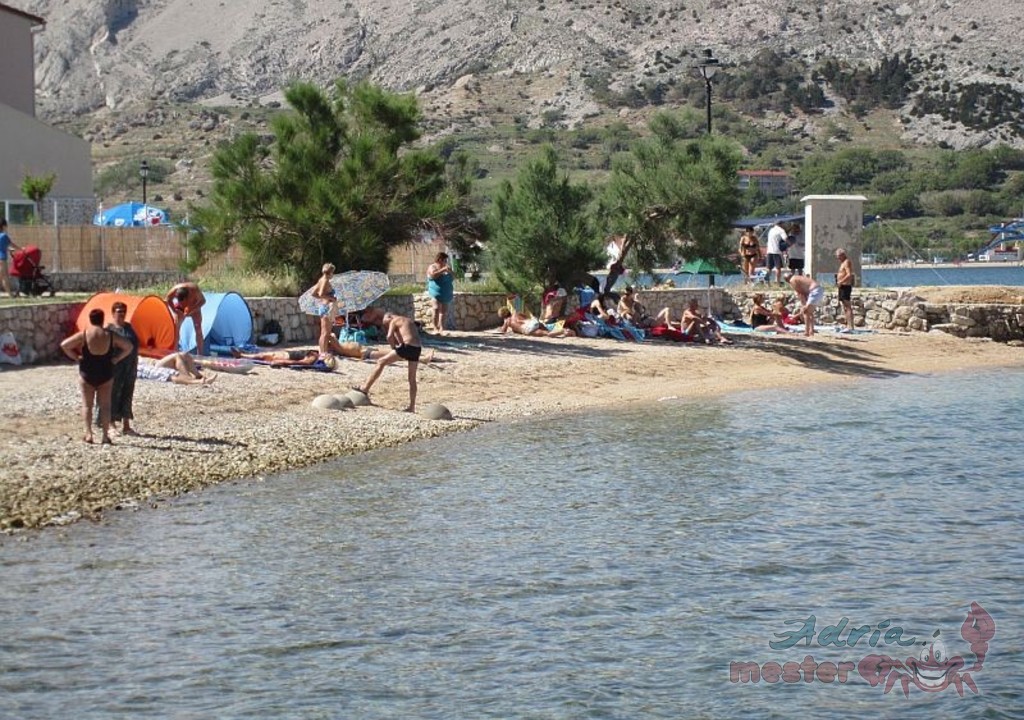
(529, 59)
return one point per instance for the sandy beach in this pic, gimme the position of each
(248, 426)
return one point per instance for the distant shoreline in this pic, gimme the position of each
(947, 265)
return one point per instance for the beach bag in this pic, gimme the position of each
(9, 351)
(272, 333)
(347, 334)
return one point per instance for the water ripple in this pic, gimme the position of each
(608, 565)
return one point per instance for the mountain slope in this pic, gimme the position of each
(123, 53)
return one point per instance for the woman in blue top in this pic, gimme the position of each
(5, 244)
(440, 287)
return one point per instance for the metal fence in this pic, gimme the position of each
(92, 248)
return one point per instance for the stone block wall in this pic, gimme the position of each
(39, 329)
(1002, 323)
(904, 311)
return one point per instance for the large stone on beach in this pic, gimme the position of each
(345, 401)
(359, 399)
(434, 411)
(327, 402)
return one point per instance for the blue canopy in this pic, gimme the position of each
(130, 214)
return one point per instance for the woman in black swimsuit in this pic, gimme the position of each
(750, 253)
(96, 350)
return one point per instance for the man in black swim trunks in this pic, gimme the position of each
(404, 339)
(844, 280)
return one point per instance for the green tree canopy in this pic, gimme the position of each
(35, 188)
(340, 183)
(542, 228)
(673, 196)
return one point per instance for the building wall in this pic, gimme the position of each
(831, 222)
(17, 63)
(30, 147)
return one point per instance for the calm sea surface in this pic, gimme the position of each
(967, 274)
(612, 565)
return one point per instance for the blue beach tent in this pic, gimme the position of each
(227, 321)
(131, 214)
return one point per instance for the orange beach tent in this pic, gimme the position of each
(149, 315)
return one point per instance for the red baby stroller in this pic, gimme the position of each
(25, 265)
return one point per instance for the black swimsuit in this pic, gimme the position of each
(409, 352)
(97, 369)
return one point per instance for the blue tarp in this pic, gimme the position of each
(227, 321)
(130, 214)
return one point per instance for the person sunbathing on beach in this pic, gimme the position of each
(777, 318)
(603, 307)
(298, 358)
(522, 325)
(695, 324)
(760, 316)
(280, 358)
(553, 305)
(177, 368)
(630, 308)
(633, 311)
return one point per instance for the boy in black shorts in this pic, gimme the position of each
(404, 339)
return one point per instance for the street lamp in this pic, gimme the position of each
(144, 174)
(707, 67)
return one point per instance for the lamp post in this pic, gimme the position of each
(144, 174)
(707, 67)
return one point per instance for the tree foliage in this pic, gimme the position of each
(36, 187)
(123, 176)
(542, 228)
(340, 182)
(673, 196)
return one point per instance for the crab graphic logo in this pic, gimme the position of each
(933, 670)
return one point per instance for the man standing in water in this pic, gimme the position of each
(844, 279)
(404, 339)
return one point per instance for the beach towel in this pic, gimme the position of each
(734, 327)
(672, 334)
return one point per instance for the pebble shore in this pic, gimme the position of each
(252, 425)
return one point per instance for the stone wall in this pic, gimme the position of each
(40, 328)
(904, 311)
(1002, 323)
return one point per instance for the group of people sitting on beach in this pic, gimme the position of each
(609, 314)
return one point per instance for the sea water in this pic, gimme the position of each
(618, 564)
(872, 277)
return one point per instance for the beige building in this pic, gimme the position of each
(29, 147)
